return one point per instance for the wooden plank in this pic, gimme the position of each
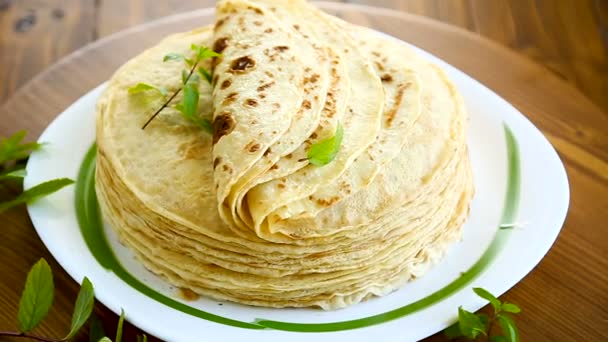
(564, 36)
(116, 15)
(36, 33)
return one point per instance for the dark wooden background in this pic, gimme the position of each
(570, 37)
(567, 37)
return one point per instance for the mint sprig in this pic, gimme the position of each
(188, 107)
(11, 151)
(37, 299)
(474, 325)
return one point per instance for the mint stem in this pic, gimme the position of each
(171, 98)
(24, 335)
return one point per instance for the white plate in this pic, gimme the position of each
(519, 179)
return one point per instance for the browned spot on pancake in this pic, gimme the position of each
(386, 78)
(327, 202)
(274, 167)
(187, 294)
(223, 124)
(262, 96)
(379, 66)
(226, 168)
(257, 23)
(230, 98)
(302, 160)
(314, 135)
(268, 30)
(296, 26)
(281, 48)
(251, 103)
(376, 53)
(267, 152)
(281, 186)
(306, 104)
(252, 146)
(217, 161)
(219, 23)
(242, 64)
(214, 81)
(265, 86)
(289, 156)
(226, 84)
(390, 116)
(276, 105)
(220, 44)
(256, 10)
(254, 122)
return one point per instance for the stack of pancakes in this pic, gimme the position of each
(243, 215)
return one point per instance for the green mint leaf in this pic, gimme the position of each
(104, 339)
(37, 296)
(489, 297)
(142, 338)
(452, 332)
(17, 173)
(96, 331)
(12, 149)
(185, 76)
(470, 324)
(190, 100)
(143, 87)
(509, 307)
(189, 108)
(36, 192)
(82, 308)
(121, 322)
(498, 339)
(203, 52)
(323, 152)
(190, 62)
(508, 327)
(206, 75)
(173, 57)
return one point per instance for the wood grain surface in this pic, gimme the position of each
(564, 299)
(569, 37)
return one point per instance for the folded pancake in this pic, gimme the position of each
(243, 215)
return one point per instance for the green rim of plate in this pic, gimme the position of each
(91, 227)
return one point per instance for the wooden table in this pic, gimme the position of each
(564, 299)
